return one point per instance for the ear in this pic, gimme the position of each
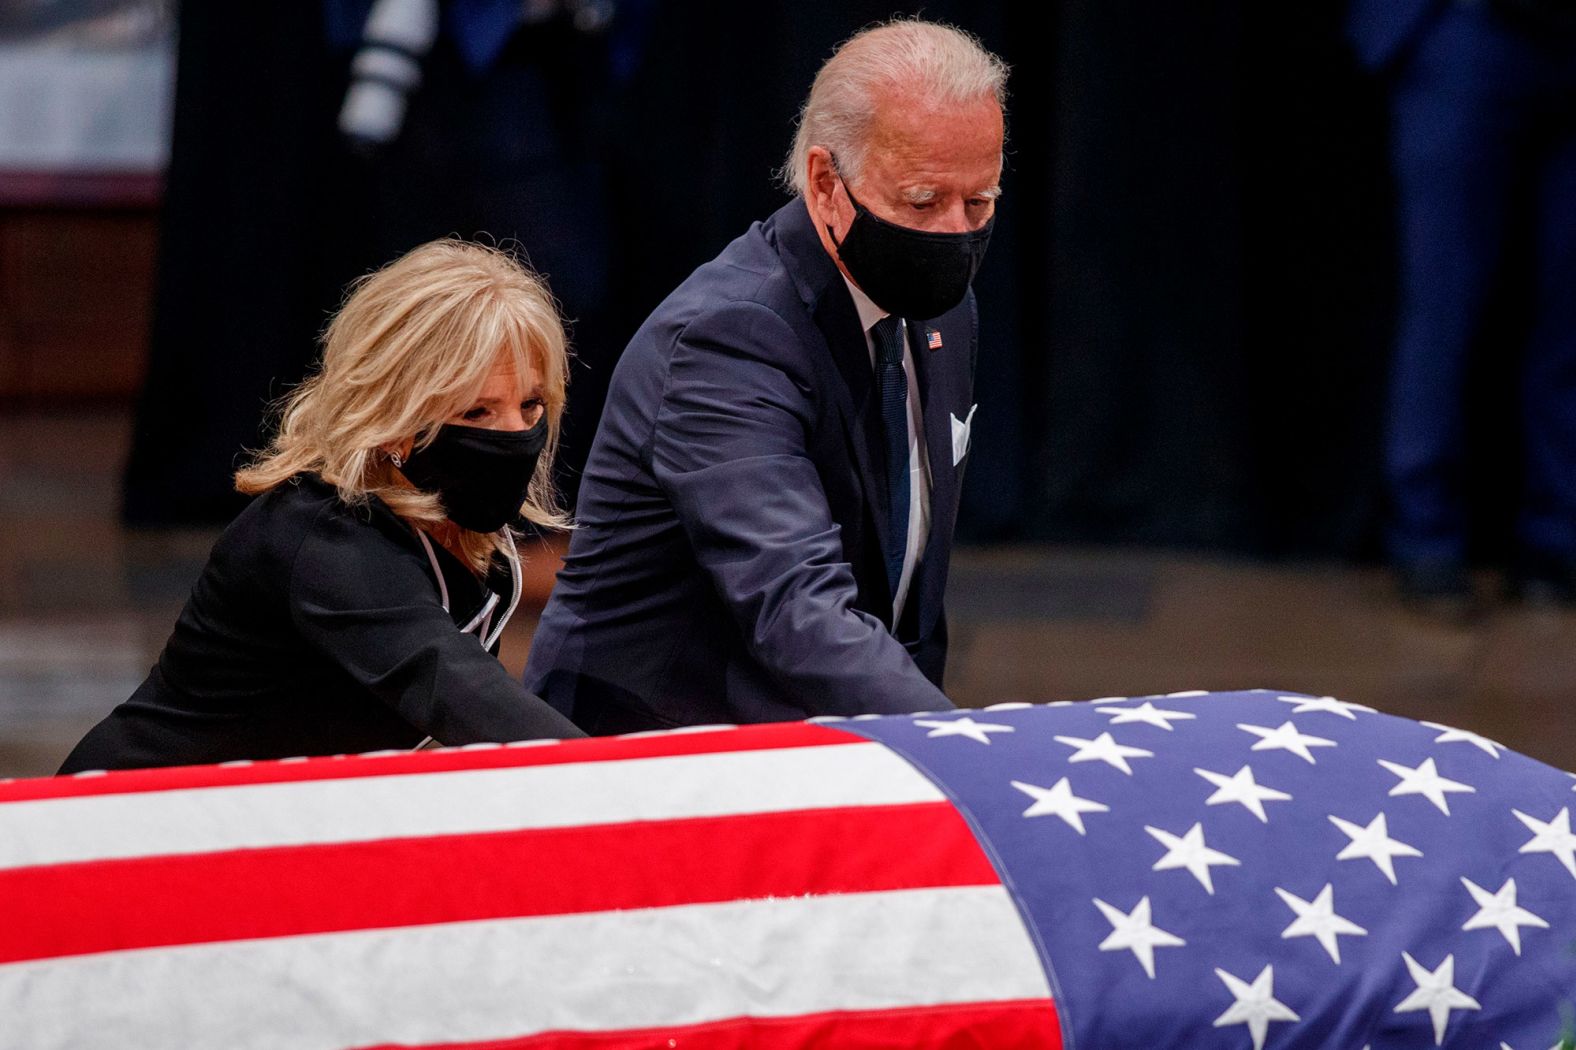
(820, 190)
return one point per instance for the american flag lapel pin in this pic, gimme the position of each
(933, 338)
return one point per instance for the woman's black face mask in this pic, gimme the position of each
(480, 475)
(911, 273)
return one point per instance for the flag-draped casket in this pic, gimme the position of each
(1195, 870)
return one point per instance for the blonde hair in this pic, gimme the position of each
(931, 63)
(411, 347)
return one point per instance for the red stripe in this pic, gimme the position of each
(338, 767)
(75, 909)
(1029, 1024)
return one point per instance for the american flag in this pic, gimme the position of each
(1224, 870)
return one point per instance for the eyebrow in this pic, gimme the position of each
(926, 196)
(533, 394)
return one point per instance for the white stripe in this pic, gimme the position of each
(497, 979)
(200, 820)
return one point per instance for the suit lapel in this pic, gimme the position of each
(944, 378)
(939, 377)
(854, 397)
(860, 412)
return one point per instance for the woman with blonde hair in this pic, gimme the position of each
(357, 602)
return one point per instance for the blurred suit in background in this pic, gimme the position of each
(1483, 110)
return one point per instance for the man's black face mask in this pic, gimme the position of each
(911, 273)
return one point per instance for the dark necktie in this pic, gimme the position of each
(888, 339)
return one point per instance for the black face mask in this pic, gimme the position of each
(481, 475)
(911, 273)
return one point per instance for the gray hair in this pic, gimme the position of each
(932, 62)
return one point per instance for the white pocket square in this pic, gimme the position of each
(960, 435)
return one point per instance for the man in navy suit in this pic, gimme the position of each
(1483, 107)
(766, 516)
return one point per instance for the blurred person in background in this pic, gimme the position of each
(492, 125)
(766, 518)
(1483, 109)
(357, 602)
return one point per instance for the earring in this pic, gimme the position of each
(397, 459)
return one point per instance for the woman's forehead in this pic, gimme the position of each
(513, 372)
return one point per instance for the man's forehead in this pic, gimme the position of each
(897, 113)
(968, 133)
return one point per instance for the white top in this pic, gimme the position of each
(918, 463)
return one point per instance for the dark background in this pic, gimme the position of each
(1186, 306)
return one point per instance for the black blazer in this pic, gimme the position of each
(314, 629)
(728, 566)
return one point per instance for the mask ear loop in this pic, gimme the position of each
(487, 607)
(437, 573)
(443, 600)
(832, 158)
(512, 556)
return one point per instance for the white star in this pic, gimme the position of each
(1317, 918)
(1256, 1005)
(1375, 843)
(1058, 800)
(1133, 931)
(1501, 912)
(964, 726)
(1190, 852)
(1285, 738)
(1104, 748)
(1148, 713)
(1451, 735)
(1426, 781)
(1554, 837)
(1436, 992)
(1343, 708)
(1241, 787)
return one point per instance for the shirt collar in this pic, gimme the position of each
(869, 312)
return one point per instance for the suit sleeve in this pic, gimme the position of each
(730, 451)
(371, 607)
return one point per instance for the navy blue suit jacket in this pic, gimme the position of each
(728, 566)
